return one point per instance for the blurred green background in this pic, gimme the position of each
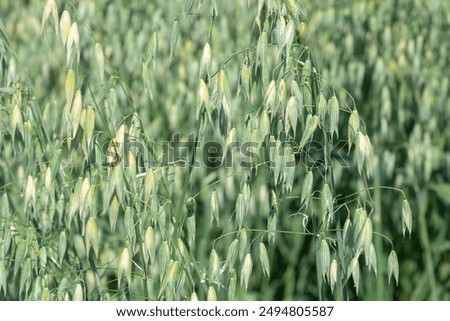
(392, 57)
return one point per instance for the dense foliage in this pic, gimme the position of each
(202, 149)
(393, 58)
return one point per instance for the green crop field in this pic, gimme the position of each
(224, 150)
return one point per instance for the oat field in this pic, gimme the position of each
(214, 150)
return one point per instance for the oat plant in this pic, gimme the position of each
(189, 165)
